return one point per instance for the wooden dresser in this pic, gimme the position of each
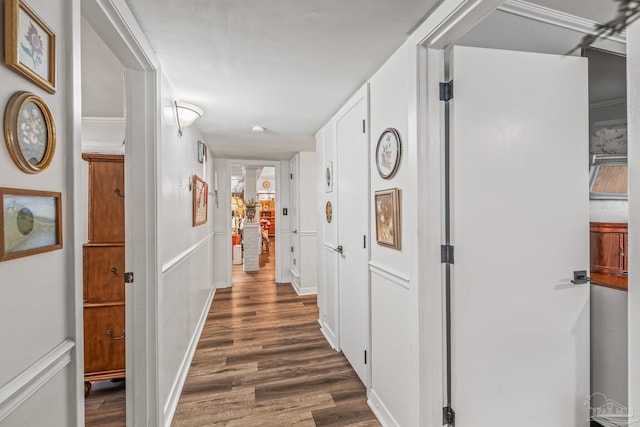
(103, 265)
(609, 258)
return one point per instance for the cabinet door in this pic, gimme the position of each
(106, 206)
(607, 250)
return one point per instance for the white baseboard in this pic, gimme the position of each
(303, 291)
(176, 390)
(380, 410)
(221, 285)
(328, 335)
(28, 382)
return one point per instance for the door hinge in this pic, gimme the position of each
(291, 249)
(290, 176)
(448, 416)
(364, 129)
(365, 357)
(446, 91)
(128, 277)
(364, 241)
(446, 254)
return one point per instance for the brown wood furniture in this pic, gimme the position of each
(268, 211)
(609, 260)
(103, 266)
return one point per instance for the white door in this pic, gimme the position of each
(520, 224)
(353, 225)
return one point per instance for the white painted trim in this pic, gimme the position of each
(390, 274)
(304, 291)
(178, 384)
(109, 120)
(329, 335)
(380, 410)
(556, 18)
(307, 233)
(173, 263)
(28, 382)
(608, 103)
(97, 147)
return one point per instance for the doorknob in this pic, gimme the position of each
(580, 277)
(338, 249)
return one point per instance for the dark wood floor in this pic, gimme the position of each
(261, 361)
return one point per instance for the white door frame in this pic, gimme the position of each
(440, 30)
(115, 24)
(226, 205)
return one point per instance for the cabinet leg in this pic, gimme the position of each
(87, 388)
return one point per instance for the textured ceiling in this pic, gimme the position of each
(286, 65)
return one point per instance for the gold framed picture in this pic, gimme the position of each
(30, 45)
(31, 222)
(29, 132)
(200, 201)
(387, 209)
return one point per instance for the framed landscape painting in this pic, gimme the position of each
(31, 222)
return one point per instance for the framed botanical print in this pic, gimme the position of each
(200, 201)
(30, 45)
(388, 153)
(29, 132)
(387, 210)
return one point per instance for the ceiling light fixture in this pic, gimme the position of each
(186, 114)
(257, 129)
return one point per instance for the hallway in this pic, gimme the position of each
(262, 361)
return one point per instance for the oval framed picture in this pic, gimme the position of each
(388, 153)
(29, 132)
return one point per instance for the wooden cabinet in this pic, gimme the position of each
(103, 266)
(608, 247)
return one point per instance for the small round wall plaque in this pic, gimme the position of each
(329, 212)
(388, 153)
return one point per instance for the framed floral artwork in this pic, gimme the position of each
(200, 201)
(30, 45)
(388, 153)
(30, 222)
(29, 132)
(387, 209)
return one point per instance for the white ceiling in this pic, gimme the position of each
(286, 65)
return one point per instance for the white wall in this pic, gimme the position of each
(36, 295)
(187, 285)
(306, 237)
(633, 95)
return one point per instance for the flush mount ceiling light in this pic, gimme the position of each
(186, 114)
(257, 129)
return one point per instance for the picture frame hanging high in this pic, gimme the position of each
(30, 45)
(29, 132)
(388, 153)
(200, 201)
(30, 222)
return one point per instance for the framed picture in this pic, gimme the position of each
(328, 177)
(200, 201)
(31, 222)
(30, 45)
(387, 208)
(29, 132)
(609, 137)
(202, 152)
(388, 153)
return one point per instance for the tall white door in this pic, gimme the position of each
(353, 225)
(520, 224)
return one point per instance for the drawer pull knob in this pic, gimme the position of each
(115, 272)
(119, 192)
(110, 333)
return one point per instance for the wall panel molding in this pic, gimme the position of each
(170, 266)
(176, 389)
(28, 382)
(390, 274)
(380, 410)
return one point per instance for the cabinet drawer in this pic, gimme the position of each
(101, 284)
(104, 338)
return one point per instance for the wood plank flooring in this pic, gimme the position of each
(262, 361)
